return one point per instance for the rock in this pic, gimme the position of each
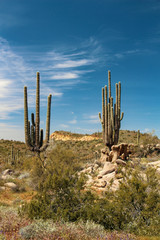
(89, 180)
(119, 151)
(109, 177)
(108, 168)
(155, 164)
(7, 172)
(5, 177)
(10, 185)
(119, 176)
(100, 184)
(104, 157)
(2, 188)
(114, 154)
(23, 175)
(87, 170)
(96, 166)
(115, 185)
(158, 170)
(121, 162)
(104, 150)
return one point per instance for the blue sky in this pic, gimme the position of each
(73, 43)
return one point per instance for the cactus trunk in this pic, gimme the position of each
(33, 134)
(111, 114)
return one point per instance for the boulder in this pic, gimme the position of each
(121, 162)
(100, 184)
(119, 151)
(2, 188)
(87, 170)
(7, 172)
(155, 164)
(10, 185)
(109, 177)
(108, 168)
(96, 166)
(89, 180)
(115, 185)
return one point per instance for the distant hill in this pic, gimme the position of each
(85, 146)
(126, 136)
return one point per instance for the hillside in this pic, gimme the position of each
(126, 136)
(22, 174)
(86, 146)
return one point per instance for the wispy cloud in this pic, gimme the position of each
(66, 75)
(18, 67)
(14, 74)
(74, 121)
(93, 119)
(73, 64)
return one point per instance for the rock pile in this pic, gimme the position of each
(104, 174)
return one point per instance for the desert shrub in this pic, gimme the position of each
(37, 229)
(92, 229)
(60, 189)
(134, 207)
(10, 222)
(48, 229)
(149, 138)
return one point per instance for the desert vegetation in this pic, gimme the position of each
(74, 186)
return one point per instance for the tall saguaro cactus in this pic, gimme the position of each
(33, 134)
(111, 114)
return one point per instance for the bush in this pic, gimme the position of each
(37, 229)
(134, 207)
(59, 189)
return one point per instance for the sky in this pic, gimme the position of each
(73, 44)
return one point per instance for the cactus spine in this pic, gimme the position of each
(33, 133)
(111, 114)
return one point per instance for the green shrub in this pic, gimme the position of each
(134, 207)
(37, 229)
(59, 188)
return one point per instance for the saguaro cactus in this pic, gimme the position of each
(33, 134)
(111, 115)
(138, 137)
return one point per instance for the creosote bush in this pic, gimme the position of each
(134, 207)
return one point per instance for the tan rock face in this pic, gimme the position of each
(7, 172)
(121, 162)
(115, 185)
(119, 151)
(100, 184)
(108, 168)
(58, 136)
(109, 177)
